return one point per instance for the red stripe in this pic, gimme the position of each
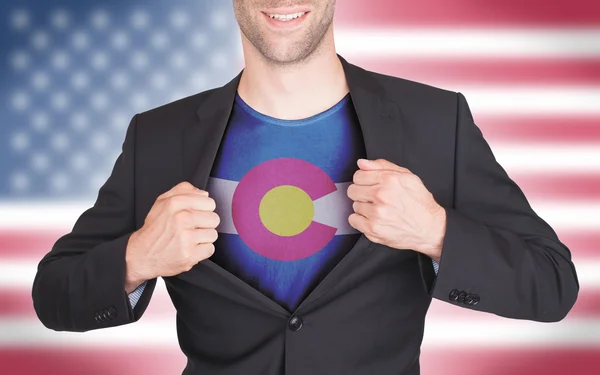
(18, 304)
(518, 361)
(557, 129)
(434, 361)
(467, 13)
(444, 72)
(567, 186)
(21, 245)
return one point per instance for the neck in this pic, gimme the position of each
(293, 91)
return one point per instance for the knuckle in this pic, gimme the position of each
(182, 218)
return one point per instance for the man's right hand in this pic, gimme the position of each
(178, 232)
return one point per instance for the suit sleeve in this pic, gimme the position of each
(498, 255)
(80, 283)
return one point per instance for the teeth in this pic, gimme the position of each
(286, 17)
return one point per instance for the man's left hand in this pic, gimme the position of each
(392, 207)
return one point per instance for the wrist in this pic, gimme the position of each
(434, 243)
(134, 276)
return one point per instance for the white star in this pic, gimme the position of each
(80, 80)
(20, 101)
(60, 60)
(219, 20)
(40, 121)
(59, 141)
(19, 141)
(120, 40)
(19, 181)
(179, 19)
(199, 40)
(100, 60)
(79, 121)
(119, 80)
(139, 60)
(39, 161)
(20, 60)
(40, 40)
(59, 100)
(59, 181)
(20, 19)
(140, 19)
(159, 40)
(79, 161)
(60, 19)
(80, 40)
(40, 80)
(100, 19)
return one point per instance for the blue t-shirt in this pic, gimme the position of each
(280, 191)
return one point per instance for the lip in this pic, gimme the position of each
(285, 24)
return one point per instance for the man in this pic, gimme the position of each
(282, 252)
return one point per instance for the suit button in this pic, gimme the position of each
(105, 315)
(475, 299)
(98, 318)
(453, 296)
(469, 299)
(112, 312)
(461, 297)
(295, 324)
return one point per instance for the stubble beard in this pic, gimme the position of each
(300, 50)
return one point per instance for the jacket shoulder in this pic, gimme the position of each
(173, 112)
(402, 90)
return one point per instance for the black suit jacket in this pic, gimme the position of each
(367, 315)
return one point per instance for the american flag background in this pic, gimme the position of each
(74, 73)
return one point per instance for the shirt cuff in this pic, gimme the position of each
(436, 266)
(134, 296)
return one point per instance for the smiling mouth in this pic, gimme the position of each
(285, 17)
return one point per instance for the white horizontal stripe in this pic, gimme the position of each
(61, 217)
(19, 274)
(334, 209)
(468, 43)
(327, 208)
(547, 158)
(221, 191)
(30, 333)
(531, 100)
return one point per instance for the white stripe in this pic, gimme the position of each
(547, 158)
(327, 208)
(468, 43)
(30, 333)
(531, 100)
(19, 274)
(60, 217)
(334, 209)
(221, 191)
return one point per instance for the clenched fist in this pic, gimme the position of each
(178, 232)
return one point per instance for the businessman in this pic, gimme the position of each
(303, 216)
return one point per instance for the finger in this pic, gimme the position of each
(364, 209)
(360, 193)
(380, 164)
(203, 251)
(358, 222)
(182, 188)
(189, 202)
(363, 177)
(204, 235)
(197, 219)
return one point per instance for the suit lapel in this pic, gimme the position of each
(380, 123)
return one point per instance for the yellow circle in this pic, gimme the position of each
(286, 210)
